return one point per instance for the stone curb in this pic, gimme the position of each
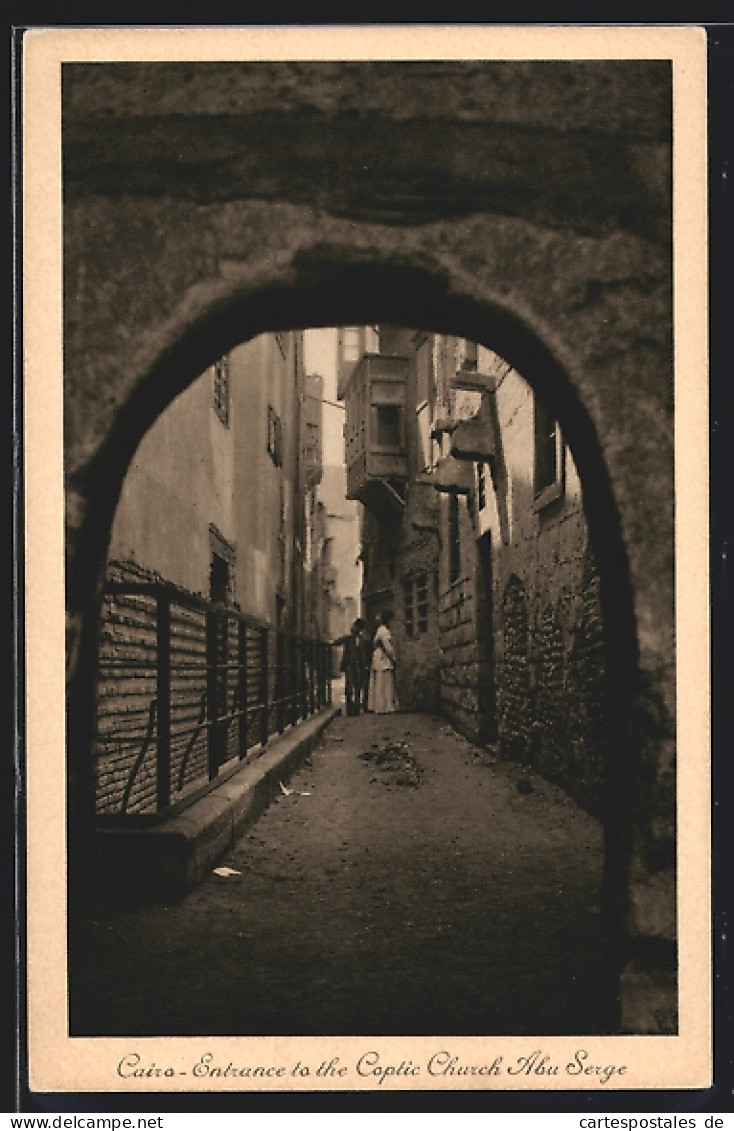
(177, 854)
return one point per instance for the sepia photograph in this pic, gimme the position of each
(366, 439)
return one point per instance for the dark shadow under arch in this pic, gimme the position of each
(332, 288)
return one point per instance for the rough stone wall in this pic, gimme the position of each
(547, 671)
(513, 676)
(553, 689)
(588, 725)
(548, 737)
(458, 630)
(569, 740)
(553, 682)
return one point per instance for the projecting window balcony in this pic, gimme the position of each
(374, 432)
(474, 437)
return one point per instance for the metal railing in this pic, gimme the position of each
(187, 692)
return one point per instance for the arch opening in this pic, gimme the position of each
(215, 334)
(500, 330)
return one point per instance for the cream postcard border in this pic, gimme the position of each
(63, 1064)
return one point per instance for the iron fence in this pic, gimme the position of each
(187, 692)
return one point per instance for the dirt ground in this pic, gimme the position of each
(405, 882)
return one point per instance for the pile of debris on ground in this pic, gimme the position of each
(395, 763)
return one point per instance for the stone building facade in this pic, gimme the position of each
(219, 503)
(550, 660)
(341, 552)
(485, 562)
(217, 477)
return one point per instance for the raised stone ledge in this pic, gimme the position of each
(168, 858)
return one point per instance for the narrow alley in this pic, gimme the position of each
(404, 882)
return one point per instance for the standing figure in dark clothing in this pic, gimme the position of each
(355, 664)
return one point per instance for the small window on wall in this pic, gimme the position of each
(548, 468)
(415, 605)
(275, 437)
(351, 351)
(221, 389)
(470, 359)
(481, 485)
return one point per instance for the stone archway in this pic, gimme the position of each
(162, 278)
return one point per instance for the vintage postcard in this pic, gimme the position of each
(365, 439)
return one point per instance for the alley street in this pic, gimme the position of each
(404, 882)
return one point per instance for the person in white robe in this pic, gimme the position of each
(382, 698)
